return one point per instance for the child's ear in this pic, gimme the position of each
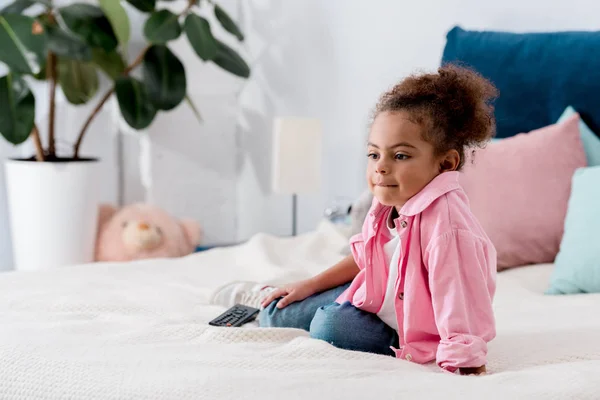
(450, 161)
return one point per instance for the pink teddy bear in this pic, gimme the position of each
(142, 231)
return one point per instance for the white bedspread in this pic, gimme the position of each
(139, 331)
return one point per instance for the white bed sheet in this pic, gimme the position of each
(139, 331)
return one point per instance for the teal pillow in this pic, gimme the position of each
(577, 265)
(591, 142)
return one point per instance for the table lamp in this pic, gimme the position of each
(296, 159)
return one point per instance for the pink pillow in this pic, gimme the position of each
(519, 190)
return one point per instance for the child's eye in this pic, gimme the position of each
(373, 156)
(400, 156)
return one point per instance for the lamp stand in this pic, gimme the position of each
(294, 214)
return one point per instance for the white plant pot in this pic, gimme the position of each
(53, 212)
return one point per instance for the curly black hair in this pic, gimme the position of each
(454, 106)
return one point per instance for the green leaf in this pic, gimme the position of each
(197, 30)
(134, 102)
(161, 27)
(228, 23)
(23, 48)
(230, 61)
(143, 5)
(118, 19)
(111, 62)
(188, 100)
(17, 109)
(90, 23)
(164, 77)
(78, 80)
(67, 45)
(81, 10)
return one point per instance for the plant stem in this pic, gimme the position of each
(104, 99)
(138, 60)
(39, 152)
(51, 76)
(89, 121)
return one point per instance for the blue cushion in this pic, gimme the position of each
(538, 74)
(577, 265)
(591, 142)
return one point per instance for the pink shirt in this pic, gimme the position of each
(446, 280)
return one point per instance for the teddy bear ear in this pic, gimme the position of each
(192, 230)
(105, 213)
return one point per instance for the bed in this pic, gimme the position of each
(139, 331)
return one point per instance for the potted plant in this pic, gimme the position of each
(52, 197)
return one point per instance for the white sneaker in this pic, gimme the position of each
(248, 294)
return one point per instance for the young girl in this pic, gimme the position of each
(420, 281)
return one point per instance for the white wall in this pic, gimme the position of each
(331, 59)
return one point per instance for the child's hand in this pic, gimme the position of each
(473, 371)
(292, 292)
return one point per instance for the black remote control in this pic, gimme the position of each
(237, 315)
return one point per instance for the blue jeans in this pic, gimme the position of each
(342, 325)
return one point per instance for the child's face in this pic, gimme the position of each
(400, 163)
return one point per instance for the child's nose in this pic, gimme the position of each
(382, 168)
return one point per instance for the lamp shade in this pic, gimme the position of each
(296, 155)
